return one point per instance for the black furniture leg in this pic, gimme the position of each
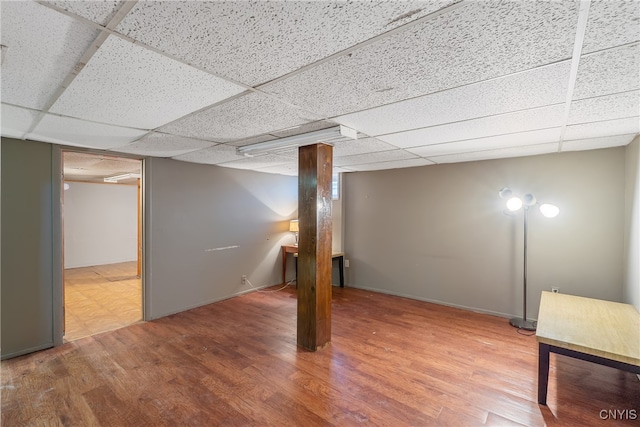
(543, 372)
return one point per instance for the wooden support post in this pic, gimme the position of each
(315, 169)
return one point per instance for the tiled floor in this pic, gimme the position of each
(101, 298)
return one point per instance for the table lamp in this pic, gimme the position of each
(293, 226)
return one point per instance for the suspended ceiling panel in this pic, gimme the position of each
(630, 125)
(610, 71)
(510, 123)
(248, 115)
(212, 155)
(16, 121)
(611, 23)
(380, 156)
(536, 88)
(531, 150)
(478, 41)
(44, 46)
(410, 163)
(597, 143)
(352, 147)
(605, 108)
(257, 41)
(490, 143)
(261, 161)
(128, 85)
(164, 145)
(81, 133)
(89, 166)
(100, 12)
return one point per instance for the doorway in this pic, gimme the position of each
(102, 243)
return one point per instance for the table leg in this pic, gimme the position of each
(543, 372)
(284, 266)
(341, 267)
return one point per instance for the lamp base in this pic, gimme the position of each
(520, 323)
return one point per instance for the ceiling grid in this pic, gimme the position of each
(423, 82)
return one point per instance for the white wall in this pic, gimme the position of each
(437, 233)
(206, 227)
(632, 225)
(100, 224)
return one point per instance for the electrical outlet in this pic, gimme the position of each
(555, 290)
(243, 279)
(346, 263)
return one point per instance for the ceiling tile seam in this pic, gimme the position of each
(374, 39)
(606, 95)
(84, 59)
(189, 137)
(539, 67)
(111, 31)
(606, 49)
(431, 158)
(472, 139)
(379, 152)
(50, 113)
(457, 122)
(581, 29)
(605, 120)
(609, 135)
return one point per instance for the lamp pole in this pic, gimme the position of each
(527, 325)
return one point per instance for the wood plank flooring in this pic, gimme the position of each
(392, 362)
(101, 298)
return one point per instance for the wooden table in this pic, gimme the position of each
(293, 249)
(603, 332)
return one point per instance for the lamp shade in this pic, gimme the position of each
(548, 210)
(293, 225)
(514, 203)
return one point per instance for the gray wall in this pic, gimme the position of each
(632, 225)
(437, 233)
(206, 226)
(27, 247)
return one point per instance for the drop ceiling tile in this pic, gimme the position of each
(100, 12)
(609, 107)
(530, 150)
(410, 163)
(252, 140)
(164, 145)
(305, 128)
(610, 71)
(532, 89)
(520, 121)
(243, 117)
(16, 121)
(128, 85)
(611, 23)
(290, 169)
(259, 162)
(604, 128)
(44, 46)
(80, 133)
(360, 146)
(597, 143)
(381, 156)
(490, 143)
(257, 41)
(212, 155)
(479, 41)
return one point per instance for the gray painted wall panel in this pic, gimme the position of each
(438, 233)
(27, 254)
(207, 226)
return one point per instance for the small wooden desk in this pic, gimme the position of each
(603, 332)
(293, 249)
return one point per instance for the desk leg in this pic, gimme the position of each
(543, 372)
(341, 267)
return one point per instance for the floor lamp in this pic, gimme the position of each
(514, 204)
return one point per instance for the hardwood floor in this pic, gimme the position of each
(392, 362)
(101, 298)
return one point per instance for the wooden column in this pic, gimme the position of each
(314, 248)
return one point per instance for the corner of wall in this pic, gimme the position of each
(631, 291)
